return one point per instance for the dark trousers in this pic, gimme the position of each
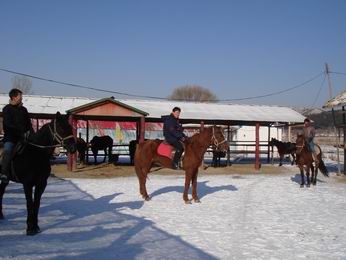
(178, 150)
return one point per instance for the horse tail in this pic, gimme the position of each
(322, 167)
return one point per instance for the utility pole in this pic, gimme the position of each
(329, 81)
(337, 133)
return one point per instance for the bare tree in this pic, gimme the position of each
(23, 83)
(193, 93)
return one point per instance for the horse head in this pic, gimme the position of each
(61, 131)
(300, 143)
(273, 142)
(218, 140)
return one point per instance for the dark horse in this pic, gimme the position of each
(82, 148)
(31, 166)
(132, 150)
(217, 155)
(305, 158)
(284, 148)
(102, 143)
(195, 147)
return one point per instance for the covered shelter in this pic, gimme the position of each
(338, 104)
(106, 109)
(151, 111)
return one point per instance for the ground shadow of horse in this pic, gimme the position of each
(297, 179)
(204, 189)
(89, 228)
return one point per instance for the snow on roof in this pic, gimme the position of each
(339, 100)
(190, 110)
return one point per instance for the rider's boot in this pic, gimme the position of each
(5, 166)
(176, 159)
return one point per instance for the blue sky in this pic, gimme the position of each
(236, 49)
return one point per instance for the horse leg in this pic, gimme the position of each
(294, 158)
(142, 179)
(281, 157)
(30, 221)
(314, 170)
(194, 186)
(104, 158)
(188, 176)
(95, 152)
(39, 189)
(2, 191)
(110, 157)
(301, 176)
(307, 176)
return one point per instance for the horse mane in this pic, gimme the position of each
(196, 138)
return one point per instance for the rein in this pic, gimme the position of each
(301, 146)
(55, 136)
(215, 141)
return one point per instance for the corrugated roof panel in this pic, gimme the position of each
(339, 100)
(190, 110)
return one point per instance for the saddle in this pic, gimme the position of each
(167, 150)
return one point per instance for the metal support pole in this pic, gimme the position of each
(142, 130)
(257, 157)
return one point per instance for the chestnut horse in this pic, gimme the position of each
(195, 147)
(304, 158)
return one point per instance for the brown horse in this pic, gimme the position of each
(305, 158)
(195, 147)
(284, 148)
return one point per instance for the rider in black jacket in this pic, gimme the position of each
(16, 125)
(174, 135)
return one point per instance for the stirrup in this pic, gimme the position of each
(175, 166)
(3, 177)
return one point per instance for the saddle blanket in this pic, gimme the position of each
(165, 149)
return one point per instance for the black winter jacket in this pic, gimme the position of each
(16, 122)
(172, 129)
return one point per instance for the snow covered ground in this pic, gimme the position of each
(240, 217)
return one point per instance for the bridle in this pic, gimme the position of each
(300, 146)
(215, 141)
(56, 136)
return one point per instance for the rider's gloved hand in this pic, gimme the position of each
(26, 136)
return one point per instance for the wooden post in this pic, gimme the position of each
(228, 150)
(257, 155)
(202, 126)
(87, 141)
(268, 151)
(142, 130)
(72, 158)
(344, 130)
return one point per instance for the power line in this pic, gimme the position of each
(340, 73)
(319, 90)
(155, 97)
(278, 92)
(76, 85)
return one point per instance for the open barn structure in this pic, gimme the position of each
(141, 113)
(338, 104)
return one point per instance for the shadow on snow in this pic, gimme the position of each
(75, 225)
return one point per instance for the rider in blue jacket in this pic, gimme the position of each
(174, 135)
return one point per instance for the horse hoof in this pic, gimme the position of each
(187, 201)
(32, 232)
(301, 185)
(308, 185)
(147, 198)
(38, 230)
(197, 201)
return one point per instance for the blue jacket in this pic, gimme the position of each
(172, 129)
